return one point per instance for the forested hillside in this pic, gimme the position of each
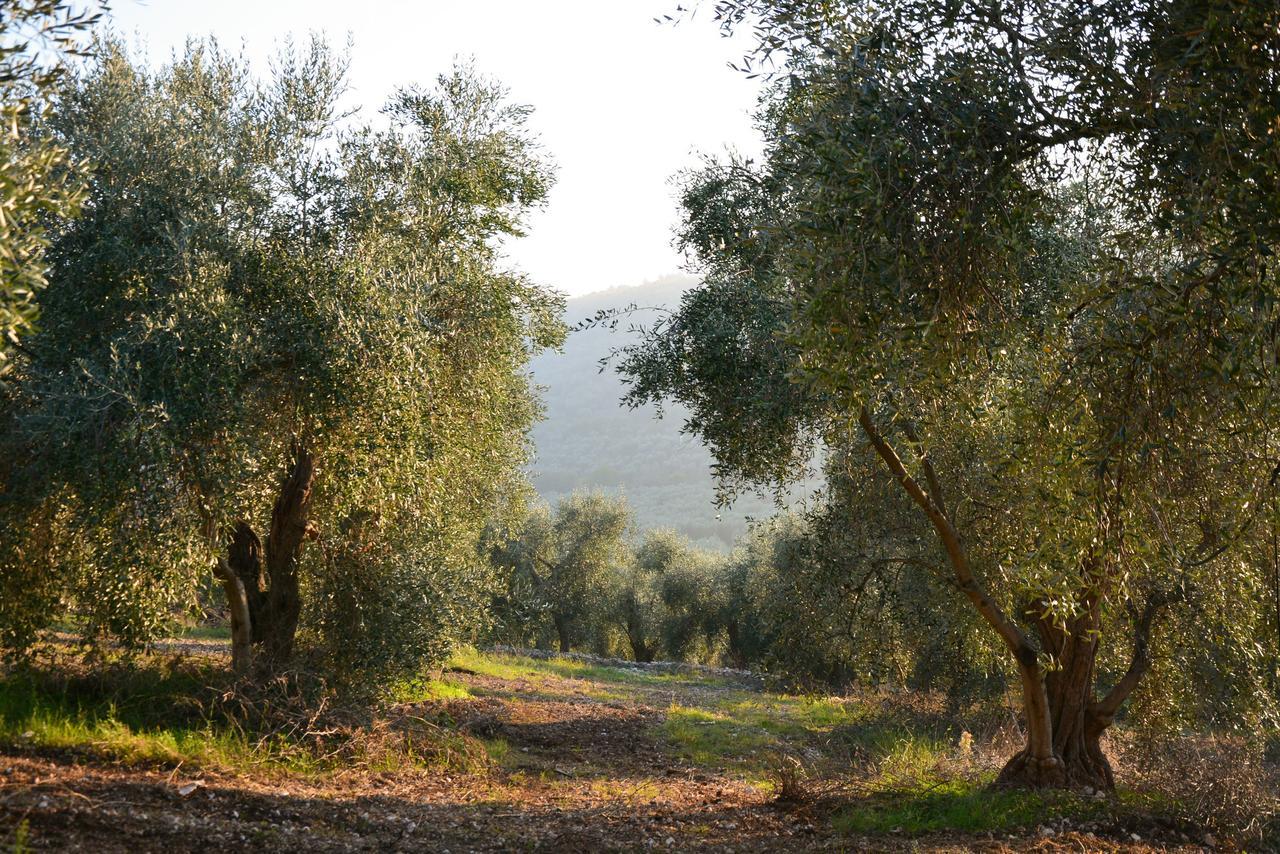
(589, 440)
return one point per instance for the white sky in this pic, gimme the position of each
(622, 103)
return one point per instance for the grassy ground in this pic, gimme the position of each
(503, 751)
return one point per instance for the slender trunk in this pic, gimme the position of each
(562, 631)
(241, 626)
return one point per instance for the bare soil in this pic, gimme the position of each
(582, 774)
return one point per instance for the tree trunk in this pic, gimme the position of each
(1064, 721)
(639, 649)
(244, 557)
(241, 624)
(562, 631)
(635, 634)
(1063, 745)
(289, 529)
(263, 595)
(736, 655)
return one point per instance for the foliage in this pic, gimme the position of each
(37, 179)
(555, 564)
(1015, 265)
(818, 601)
(256, 276)
(666, 600)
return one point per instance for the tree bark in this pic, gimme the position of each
(562, 631)
(244, 557)
(263, 594)
(241, 625)
(1073, 726)
(289, 529)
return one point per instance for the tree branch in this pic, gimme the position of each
(1139, 663)
(1013, 636)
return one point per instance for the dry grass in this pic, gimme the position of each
(1223, 783)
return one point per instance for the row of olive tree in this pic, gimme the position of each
(579, 577)
(278, 346)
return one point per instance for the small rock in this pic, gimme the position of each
(1211, 840)
(185, 791)
(1047, 832)
(1135, 837)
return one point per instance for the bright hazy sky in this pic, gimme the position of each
(621, 102)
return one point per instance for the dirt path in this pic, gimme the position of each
(588, 766)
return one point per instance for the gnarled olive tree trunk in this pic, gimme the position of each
(1068, 739)
(262, 584)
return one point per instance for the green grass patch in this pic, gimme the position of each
(153, 713)
(129, 724)
(516, 667)
(426, 689)
(715, 740)
(205, 632)
(962, 806)
(498, 749)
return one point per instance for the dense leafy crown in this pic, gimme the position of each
(253, 270)
(1033, 242)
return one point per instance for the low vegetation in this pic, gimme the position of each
(511, 731)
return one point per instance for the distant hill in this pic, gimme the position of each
(589, 440)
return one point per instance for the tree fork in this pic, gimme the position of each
(290, 518)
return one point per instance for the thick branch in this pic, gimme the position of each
(238, 602)
(987, 607)
(1139, 663)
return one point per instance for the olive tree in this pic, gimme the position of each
(281, 346)
(1020, 258)
(558, 562)
(667, 600)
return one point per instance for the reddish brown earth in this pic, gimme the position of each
(583, 774)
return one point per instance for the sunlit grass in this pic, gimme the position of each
(929, 805)
(716, 740)
(152, 714)
(426, 689)
(31, 717)
(515, 667)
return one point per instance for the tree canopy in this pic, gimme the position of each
(37, 180)
(280, 345)
(1015, 261)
